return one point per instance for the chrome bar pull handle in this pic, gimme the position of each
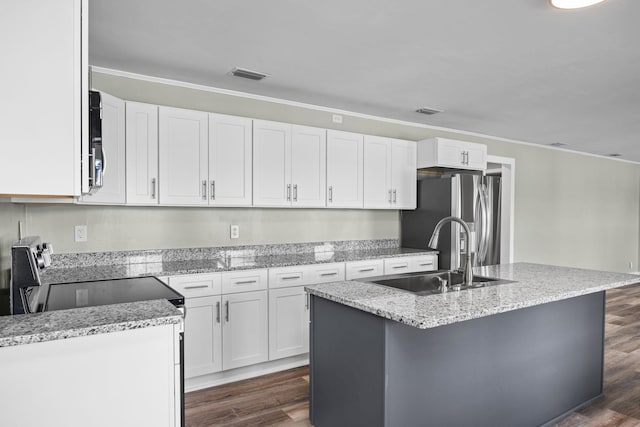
(227, 309)
(289, 192)
(395, 200)
(213, 189)
(462, 157)
(204, 189)
(389, 196)
(331, 194)
(218, 311)
(307, 302)
(295, 192)
(196, 287)
(153, 188)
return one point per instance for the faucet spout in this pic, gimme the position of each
(433, 243)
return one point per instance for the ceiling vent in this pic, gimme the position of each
(557, 144)
(614, 155)
(247, 74)
(428, 111)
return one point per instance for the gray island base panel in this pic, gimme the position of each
(523, 367)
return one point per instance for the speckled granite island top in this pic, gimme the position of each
(534, 284)
(77, 322)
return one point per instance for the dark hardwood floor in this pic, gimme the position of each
(281, 399)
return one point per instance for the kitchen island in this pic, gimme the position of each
(522, 353)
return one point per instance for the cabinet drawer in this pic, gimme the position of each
(325, 273)
(424, 263)
(397, 265)
(244, 281)
(360, 269)
(283, 277)
(196, 285)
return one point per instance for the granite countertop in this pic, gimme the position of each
(153, 267)
(534, 284)
(55, 325)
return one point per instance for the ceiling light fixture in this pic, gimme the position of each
(573, 4)
(247, 74)
(428, 111)
(557, 144)
(614, 155)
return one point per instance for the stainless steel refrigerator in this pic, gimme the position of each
(475, 199)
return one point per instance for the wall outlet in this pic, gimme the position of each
(337, 118)
(235, 231)
(80, 233)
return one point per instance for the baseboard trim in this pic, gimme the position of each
(233, 375)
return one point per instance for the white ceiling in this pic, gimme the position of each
(510, 68)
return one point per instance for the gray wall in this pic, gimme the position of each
(571, 209)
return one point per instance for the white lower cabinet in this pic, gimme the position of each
(244, 329)
(361, 269)
(288, 322)
(203, 336)
(240, 318)
(410, 264)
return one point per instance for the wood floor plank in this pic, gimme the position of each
(282, 399)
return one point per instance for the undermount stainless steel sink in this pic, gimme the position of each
(435, 282)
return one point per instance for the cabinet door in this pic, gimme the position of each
(271, 163)
(404, 176)
(424, 263)
(308, 166)
(244, 329)
(397, 265)
(476, 156)
(113, 144)
(202, 336)
(229, 160)
(344, 169)
(142, 154)
(361, 269)
(288, 322)
(183, 142)
(377, 173)
(41, 145)
(449, 153)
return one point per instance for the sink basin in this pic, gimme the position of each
(431, 283)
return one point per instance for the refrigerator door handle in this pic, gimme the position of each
(484, 221)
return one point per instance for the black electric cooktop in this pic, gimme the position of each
(62, 296)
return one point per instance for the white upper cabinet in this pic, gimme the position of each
(289, 165)
(404, 174)
(230, 140)
(390, 175)
(450, 153)
(378, 191)
(271, 163)
(142, 154)
(43, 148)
(113, 144)
(308, 166)
(183, 151)
(344, 169)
